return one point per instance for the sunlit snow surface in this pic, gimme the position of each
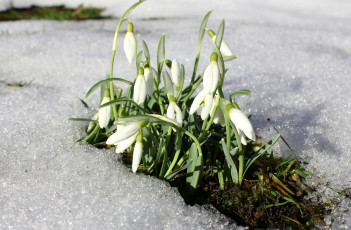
(295, 56)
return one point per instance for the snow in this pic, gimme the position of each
(294, 55)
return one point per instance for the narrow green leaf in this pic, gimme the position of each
(229, 58)
(138, 58)
(168, 83)
(197, 172)
(146, 51)
(229, 160)
(175, 172)
(193, 158)
(82, 119)
(260, 152)
(239, 92)
(94, 87)
(84, 103)
(199, 44)
(161, 53)
(220, 34)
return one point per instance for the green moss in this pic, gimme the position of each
(51, 13)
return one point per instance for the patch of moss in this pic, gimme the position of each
(51, 13)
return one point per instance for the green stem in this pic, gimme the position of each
(179, 146)
(96, 129)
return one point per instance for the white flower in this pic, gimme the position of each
(138, 150)
(176, 74)
(174, 113)
(225, 50)
(125, 136)
(149, 79)
(139, 91)
(202, 104)
(242, 124)
(211, 75)
(130, 43)
(105, 112)
(218, 116)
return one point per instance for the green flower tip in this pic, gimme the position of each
(139, 138)
(130, 27)
(168, 63)
(214, 57)
(143, 123)
(140, 71)
(211, 33)
(107, 92)
(146, 64)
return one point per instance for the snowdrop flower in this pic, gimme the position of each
(149, 79)
(130, 43)
(225, 50)
(202, 104)
(176, 74)
(211, 75)
(218, 116)
(174, 113)
(137, 153)
(105, 112)
(125, 135)
(140, 90)
(242, 124)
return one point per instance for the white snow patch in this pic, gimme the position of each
(295, 57)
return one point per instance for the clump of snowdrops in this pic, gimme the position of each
(171, 128)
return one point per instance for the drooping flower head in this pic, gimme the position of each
(149, 79)
(177, 75)
(211, 75)
(140, 90)
(242, 124)
(225, 50)
(130, 43)
(202, 104)
(125, 135)
(105, 112)
(137, 153)
(174, 113)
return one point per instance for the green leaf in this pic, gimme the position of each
(199, 44)
(260, 152)
(161, 53)
(84, 103)
(82, 119)
(229, 58)
(239, 92)
(138, 58)
(220, 33)
(175, 172)
(168, 83)
(229, 160)
(146, 51)
(94, 87)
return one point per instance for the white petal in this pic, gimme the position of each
(138, 150)
(211, 77)
(130, 47)
(139, 91)
(242, 137)
(225, 50)
(179, 115)
(207, 107)
(176, 73)
(149, 79)
(123, 145)
(104, 113)
(215, 76)
(123, 134)
(242, 122)
(170, 111)
(197, 101)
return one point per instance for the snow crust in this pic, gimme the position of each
(294, 55)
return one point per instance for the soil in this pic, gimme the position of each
(253, 204)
